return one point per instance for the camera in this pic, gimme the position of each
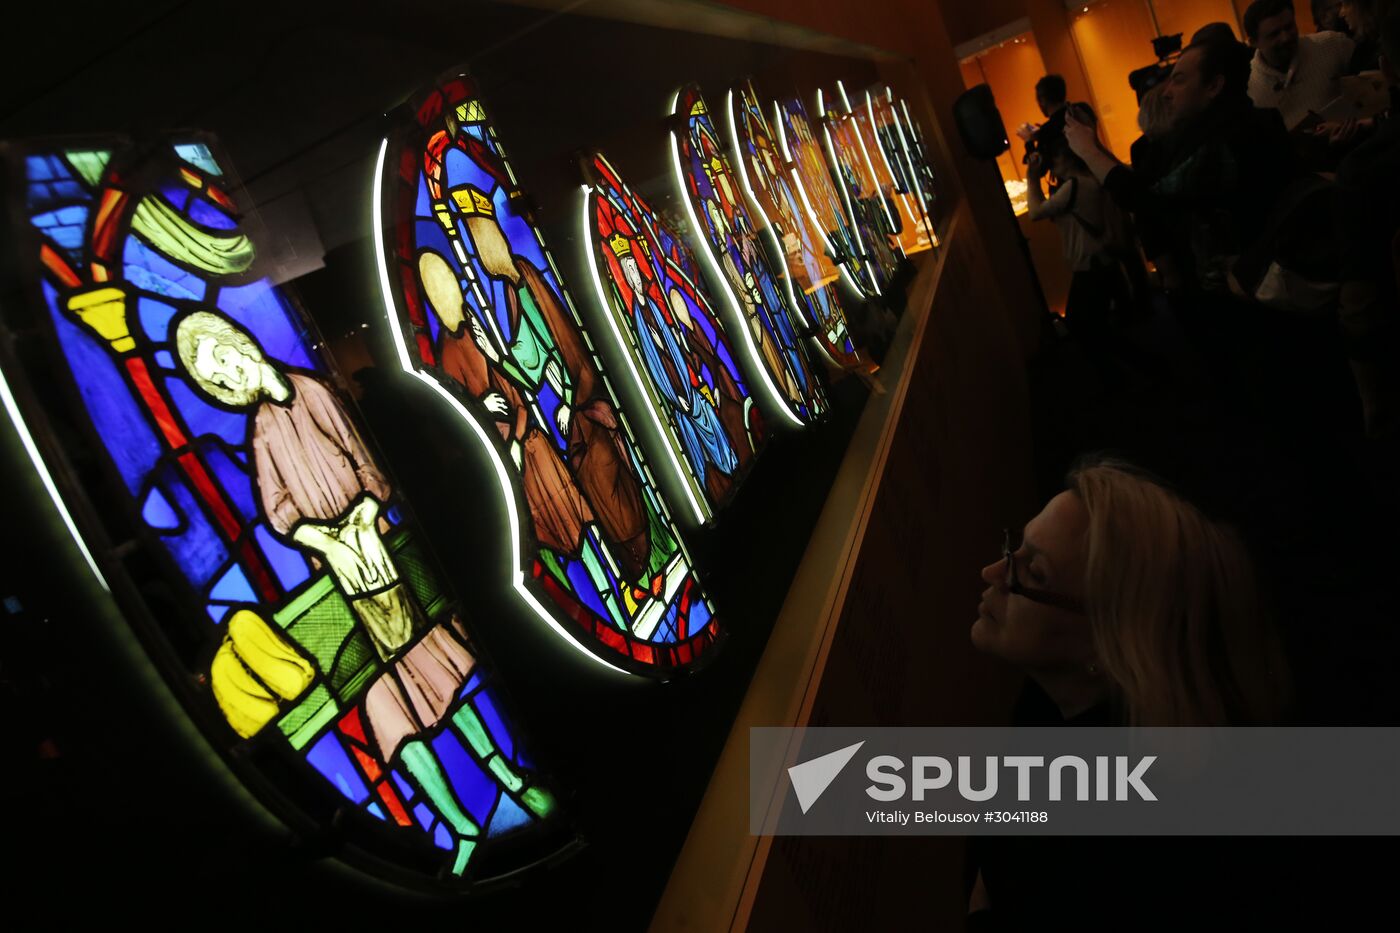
(1168, 50)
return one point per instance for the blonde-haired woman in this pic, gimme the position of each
(1124, 599)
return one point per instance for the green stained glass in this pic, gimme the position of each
(90, 164)
(172, 234)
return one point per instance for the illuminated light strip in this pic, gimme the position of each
(708, 252)
(860, 140)
(851, 214)
(874, 131)
(807, 202)
(909, 167)
(909, 162)
(758, 208)
(702, 512)
(507, 488)
(27, 440)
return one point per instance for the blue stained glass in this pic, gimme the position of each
(114, 412)
(158, 512)
(423, 207)
(232, 477)
(461, 169)
(699, 615)
(583, 587)
(177, 195)
(289, 565)
(70, 191)
(148, 270)
(442, 838)
(199, 550)
(518, 232)
(376, 811)
(260, 308)
(423, 815)
(328, 757)
(206, 214)
(42, 168)
(508, 816)
(549, 403)
(203, 418)
(155, 318)
(65, 226)
(164, 360)
(474, 788)
(217, 612)
(393, 515)
(672, 612)
(198, 155)
(405, 788)
(472, 683)
(486, 706)
(233, 587)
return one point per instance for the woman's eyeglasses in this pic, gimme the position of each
(1013, 585)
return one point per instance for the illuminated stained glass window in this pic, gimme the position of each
(871, 217)
(479, 308)
(808, 273)
(806, 156)
(311, 623)
(649, 286)
(728, 236)
(919, 152)
(901, 156)
(882, 156)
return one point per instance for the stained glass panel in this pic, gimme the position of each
(683, 359)
(912, 232)
(325, 648)
(804, 261)
(806, 156)
(479, 307)
(870, 216)
(919, 152)
(766, 321)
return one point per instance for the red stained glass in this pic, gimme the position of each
(223, 200)
(430, 108)
(106, 222)
(370, 766)
(643, 653)
(395, 807)
(352, 727)
(58, 266)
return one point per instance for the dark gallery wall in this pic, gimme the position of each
(123, 794)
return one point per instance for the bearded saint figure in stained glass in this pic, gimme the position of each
(323, 628)
(482, 303)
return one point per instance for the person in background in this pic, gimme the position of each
(1051, 96)
(1327, 14)
(1295, 75)
(1227, 162)
(1368, 219)
(1364, 19)
(1098, 245)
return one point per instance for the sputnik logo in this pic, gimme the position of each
(811, 778)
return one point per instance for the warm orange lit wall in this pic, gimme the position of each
(1114, 37)
(1011, 69)
(1186, 16)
